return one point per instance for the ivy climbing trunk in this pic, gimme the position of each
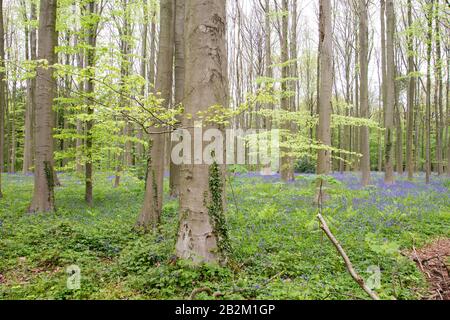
(43, 196)
(151, 212)
(202, 235)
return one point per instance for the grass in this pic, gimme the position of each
(278, 250)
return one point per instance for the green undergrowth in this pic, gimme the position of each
(277, 248)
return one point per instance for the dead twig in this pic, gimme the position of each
(418, 259)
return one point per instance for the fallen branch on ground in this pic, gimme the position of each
(348, 264)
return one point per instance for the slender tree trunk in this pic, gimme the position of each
(438, 98)
(28, 138)
(287, 168)
(2, 92)
(411, 97)
(43, 197)
(326, 88)
(447, 123)
(12, 166)
(364, 89)
(399, 133)
(380, 119)
(390, 93)
(125, 65)
(179, 84)
(152, 64)
(144, 56)
(90, 64)
(268, 47)
(428, 103)
(151, 212)
(268, 72)
(79, 124)
(202, 235)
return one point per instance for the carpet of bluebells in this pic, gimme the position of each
(279, 252)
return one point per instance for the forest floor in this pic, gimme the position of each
(279, 252)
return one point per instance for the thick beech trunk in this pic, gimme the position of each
(44, 178)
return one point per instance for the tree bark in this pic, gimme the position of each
(151, 212)
(438, 98)
(30, 105)
(447, 123)
(91, 9)
(326, 88)
(125, 66)
(202, 235)
(411, 97)
(144, 57)
(43, 197)
(428, 93)
(2, 93)
(390, 93)
(179, 84)
(287, 167)
(364, 89)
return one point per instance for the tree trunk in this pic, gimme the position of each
(90, 65)
(428, 93)
(12, 166)
(2, 92)
(151, 212)
(390, 93)
(144, 56)
(410, 98)
(202, 235)
(364, 89)
(287, 168)
(125, 66)
(43, 197)
(326, 88)
(30, 105)
(447, 123)
(79, 124)
(152, 64)
(179, 84)
(438, 102)
(399, 133)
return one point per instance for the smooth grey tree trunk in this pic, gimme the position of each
(287, 166)
(390, 93)
(428, 94)
(44, 178)
(180, 8)
(410, 98)
(325, 91)
(364, 89)
(202, 235)
(2, 92)
(151, 212)
(91, 40)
